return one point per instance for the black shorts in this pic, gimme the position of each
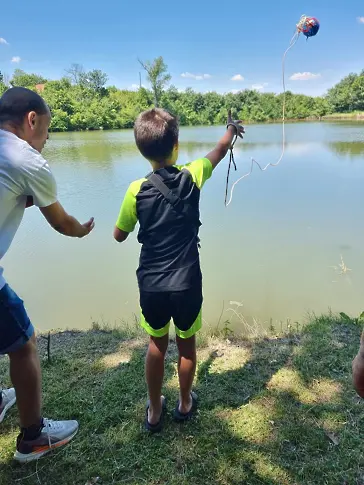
(184, 307)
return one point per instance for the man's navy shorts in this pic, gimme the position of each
(15, 326)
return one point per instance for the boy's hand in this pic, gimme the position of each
(225, 144)
(236, 124)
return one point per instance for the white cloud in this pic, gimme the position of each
(16, 60)
(197, 77)
(237, 77)
(3, 41)
(304, 76)
(135, 87)
(361, 20)
(259, 87)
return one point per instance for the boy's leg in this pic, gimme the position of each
(155, 320)
(186, 371)
(187, 316)
(154, 372)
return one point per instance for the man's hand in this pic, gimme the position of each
(65, 224)
(88, 226)
(236, 124)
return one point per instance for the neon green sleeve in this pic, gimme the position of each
(128, 215)
(201, 170)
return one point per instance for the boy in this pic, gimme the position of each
(166, 204)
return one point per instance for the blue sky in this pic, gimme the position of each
(211, 41)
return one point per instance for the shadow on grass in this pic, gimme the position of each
(270, 413)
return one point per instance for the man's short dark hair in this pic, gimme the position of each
(16, 102)
(156, 133)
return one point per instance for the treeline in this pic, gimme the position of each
(82, 100)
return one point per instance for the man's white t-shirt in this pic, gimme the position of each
(23, 172)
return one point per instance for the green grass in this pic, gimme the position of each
(355, 115)
(270, 412)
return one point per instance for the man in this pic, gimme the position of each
(358, 369)
(26, 179)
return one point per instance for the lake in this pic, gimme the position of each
(276, 249)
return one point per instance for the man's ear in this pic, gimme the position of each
(31, 119)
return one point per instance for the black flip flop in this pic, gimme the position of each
(157, 427)
(182, 417)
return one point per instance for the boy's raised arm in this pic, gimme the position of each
(219, 152)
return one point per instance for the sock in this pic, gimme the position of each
(31, 433)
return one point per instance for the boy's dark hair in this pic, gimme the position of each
(156, 133)
(16, 102)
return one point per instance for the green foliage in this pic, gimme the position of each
(359, 320)
(2, 84)
(94, 80)
(158, 76)
(22, 79)
(82, 101)
(348, 94)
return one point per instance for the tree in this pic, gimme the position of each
(75, 73)
(2, 84)
(25, 80)
(94, 80)
(341, 96)
(158, 76)
(358, 93)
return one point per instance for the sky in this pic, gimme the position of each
(207, 45)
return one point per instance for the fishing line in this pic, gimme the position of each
(309, 26)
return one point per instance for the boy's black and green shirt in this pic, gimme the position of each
(169, 257)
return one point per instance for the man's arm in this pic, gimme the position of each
(65, 224)
(219, 152)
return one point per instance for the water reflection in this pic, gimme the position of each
(353, 149)
(274, 249)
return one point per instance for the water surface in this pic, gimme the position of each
(276, 249)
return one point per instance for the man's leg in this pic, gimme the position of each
(154, 372)
(25, 375)
(358, 369)
(7, 400)
(186, 371)
(38, 436)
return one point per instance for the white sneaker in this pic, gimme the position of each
(54, 434)
(9, 399)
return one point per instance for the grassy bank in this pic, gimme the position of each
(356, 115)
(272, 411)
